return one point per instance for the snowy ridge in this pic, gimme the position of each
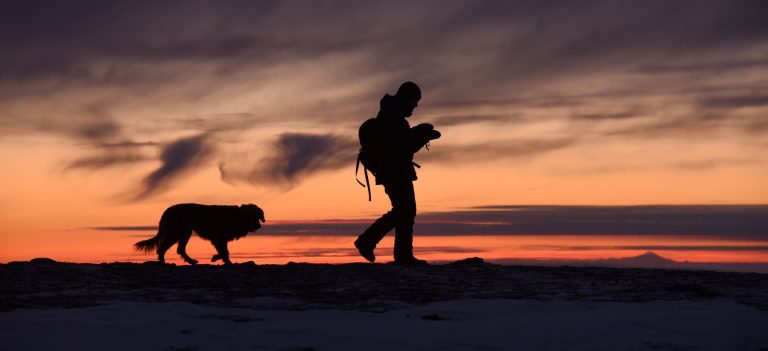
(363, 287)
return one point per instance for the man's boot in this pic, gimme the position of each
(365, 250)
(409, 260)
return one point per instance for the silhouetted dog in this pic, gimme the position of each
(219, 224)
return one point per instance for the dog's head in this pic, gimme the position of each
(254, 216)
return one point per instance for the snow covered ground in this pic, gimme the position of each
(465, 305)
(449, 325)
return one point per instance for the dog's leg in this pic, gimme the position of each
(218, 255)
(223, 253)
(162, 247)
(181, 249)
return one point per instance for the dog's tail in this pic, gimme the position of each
(148, 245)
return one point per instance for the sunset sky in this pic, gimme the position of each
(112, 111)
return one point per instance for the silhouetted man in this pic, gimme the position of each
(388, 145)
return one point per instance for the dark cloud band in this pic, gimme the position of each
(747, 222)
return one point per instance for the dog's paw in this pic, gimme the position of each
(215, 258)
(192, 262)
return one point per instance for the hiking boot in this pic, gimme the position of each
(365, 251)
(410, 261)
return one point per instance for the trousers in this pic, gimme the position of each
(400, 217)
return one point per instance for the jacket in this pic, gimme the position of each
(397, 142)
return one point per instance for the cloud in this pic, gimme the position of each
(106, 160)
(451, 121)
(735, 101)
(293, 157)
(103, 138)
(679, 126)
(126, 228)
(90, 124)
(97, 130)
(71, 46)
(296, 156)
(748, 222)
(622, 115)
(718, 67)
(126, 144)
(712, 163)
(178, 158)
(111, 154)
(492, 150)
(650, 247)
(506, 42)
(729, 221)
(103, 73)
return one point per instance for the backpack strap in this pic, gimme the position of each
(365, 171)
(357, 168)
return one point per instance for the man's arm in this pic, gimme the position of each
(420, 135)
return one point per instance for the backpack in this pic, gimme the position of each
(373, 147)
(371, 150)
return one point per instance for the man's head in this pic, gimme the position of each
(408, 96)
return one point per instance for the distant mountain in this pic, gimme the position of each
(646, 260)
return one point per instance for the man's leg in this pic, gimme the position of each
(367, 241)
(403, 199)
(378, 229)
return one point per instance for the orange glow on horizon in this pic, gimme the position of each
(93, 246)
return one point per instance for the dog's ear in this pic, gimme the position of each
(255, 210)
(261, 214)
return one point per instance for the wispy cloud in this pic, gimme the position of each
(739, 101)
(111, 154)
(496, 150)
(292, 157)
(177, 158)
(450, 121)
(106, 160)
(717, 67)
